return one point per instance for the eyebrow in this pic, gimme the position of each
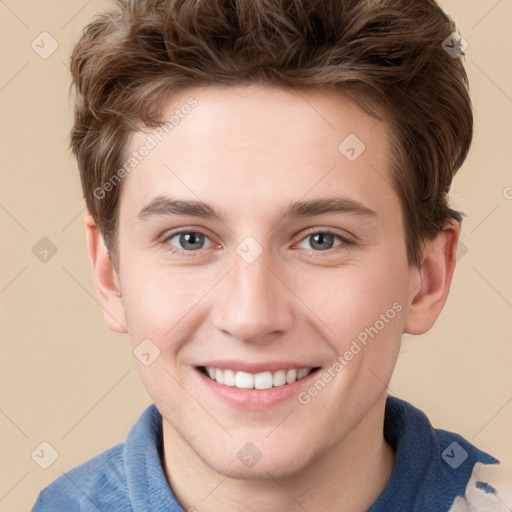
(168, 206)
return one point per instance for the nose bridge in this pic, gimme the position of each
(254, 302)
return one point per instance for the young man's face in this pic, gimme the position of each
(260, 289)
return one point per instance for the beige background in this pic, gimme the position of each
(67, 380)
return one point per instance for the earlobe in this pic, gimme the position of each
(431, 281)
(106, 280)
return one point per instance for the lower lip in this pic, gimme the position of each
(255, 399)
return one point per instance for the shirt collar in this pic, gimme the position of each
(432, 466)
(428, 474)
(143, 463)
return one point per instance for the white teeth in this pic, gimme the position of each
(229, 378)
(291, 376)
(243, 380)
(279, 378)
(302, 373)
(263, 380)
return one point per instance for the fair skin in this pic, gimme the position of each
(250, 151)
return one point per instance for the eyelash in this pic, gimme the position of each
(329, 231)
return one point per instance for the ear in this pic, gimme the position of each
(431, 281)
(106, 280)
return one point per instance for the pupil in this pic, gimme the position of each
(189, 239)
(320, 239)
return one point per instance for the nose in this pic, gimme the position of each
(254, 303)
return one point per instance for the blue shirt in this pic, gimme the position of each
(432, 468)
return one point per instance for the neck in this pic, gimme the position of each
(354, 473)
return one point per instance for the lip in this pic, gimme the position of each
(244, 366)
(255, 399)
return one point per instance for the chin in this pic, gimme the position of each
(266, 468)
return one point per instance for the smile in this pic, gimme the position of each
(263, 380)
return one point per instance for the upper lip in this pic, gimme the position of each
(245, 366)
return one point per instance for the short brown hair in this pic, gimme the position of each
(386, 52)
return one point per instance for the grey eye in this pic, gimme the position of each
(189, 240)
(321, 241)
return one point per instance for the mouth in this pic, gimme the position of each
(258, 381)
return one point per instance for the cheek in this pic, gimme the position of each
(156, 298)
(350, 297)
(360, 310)
(159, 306)
(167, 304)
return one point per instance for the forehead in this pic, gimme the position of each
(253, 148)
